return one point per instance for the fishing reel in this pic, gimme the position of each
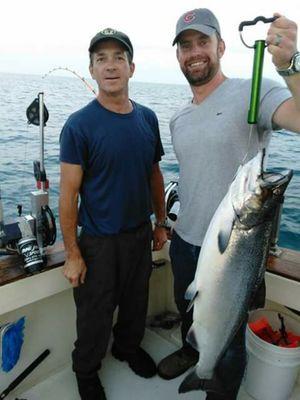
(172, 202)
(30, 234)
(33, 113)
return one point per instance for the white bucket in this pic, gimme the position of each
(271, 370)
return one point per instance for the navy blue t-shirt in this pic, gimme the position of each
(116, 153)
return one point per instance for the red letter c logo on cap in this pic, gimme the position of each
(189, 17)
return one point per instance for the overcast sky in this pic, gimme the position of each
(37, 36)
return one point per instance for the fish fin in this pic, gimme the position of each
(190, 291)
(190, 382)
(191, 338)
(225, 232)
(193, 382)
(192, 302)
(191, 294)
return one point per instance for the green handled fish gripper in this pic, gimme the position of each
(259, 49)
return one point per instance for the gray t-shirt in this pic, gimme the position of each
(210, 141)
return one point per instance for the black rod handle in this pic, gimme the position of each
(24, 374)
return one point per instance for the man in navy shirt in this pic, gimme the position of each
(110, 153)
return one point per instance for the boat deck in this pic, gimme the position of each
(55, 329)
(121, 383)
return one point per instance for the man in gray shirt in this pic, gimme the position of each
(211, 138)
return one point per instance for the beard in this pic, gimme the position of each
(203, 77)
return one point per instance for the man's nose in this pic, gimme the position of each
(110, 65)
(195, 50)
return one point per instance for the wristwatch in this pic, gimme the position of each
(294, 67)
(162, 224)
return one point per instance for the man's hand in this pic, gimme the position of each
(75, 270)
(282, 41)
(159, 238)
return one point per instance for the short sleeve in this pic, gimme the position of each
(159, 150)
(73, 148)
(273, 94)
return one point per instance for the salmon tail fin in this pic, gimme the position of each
(193, 382)
(190, 382)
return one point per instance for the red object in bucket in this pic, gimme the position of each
(292, 339)
(264, 331)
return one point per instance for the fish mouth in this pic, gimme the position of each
(275, 181)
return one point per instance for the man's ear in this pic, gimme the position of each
(221, 48)
(91, 71)
(132, 69)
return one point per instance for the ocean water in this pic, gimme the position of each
(19, 144)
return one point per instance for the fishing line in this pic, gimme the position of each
(248, 145)
(85, 82)
(260, 145)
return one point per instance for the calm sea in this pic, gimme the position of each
(19, 144)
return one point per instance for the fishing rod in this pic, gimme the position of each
(24, 374)
(85, 82)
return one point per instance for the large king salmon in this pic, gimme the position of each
(232, 263)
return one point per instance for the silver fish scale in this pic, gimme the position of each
(227, 277)
(231, 265)
(233, 284)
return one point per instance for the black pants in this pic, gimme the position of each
(118, 272)
(231, 367)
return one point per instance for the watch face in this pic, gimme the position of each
(297, 63)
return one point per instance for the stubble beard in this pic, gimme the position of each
(204, 77)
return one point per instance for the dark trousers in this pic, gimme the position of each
(231, 367)
(118, 272)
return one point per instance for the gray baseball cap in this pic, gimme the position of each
(110, 33)
(200, 19)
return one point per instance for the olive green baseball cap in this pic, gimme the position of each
(109, 33)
